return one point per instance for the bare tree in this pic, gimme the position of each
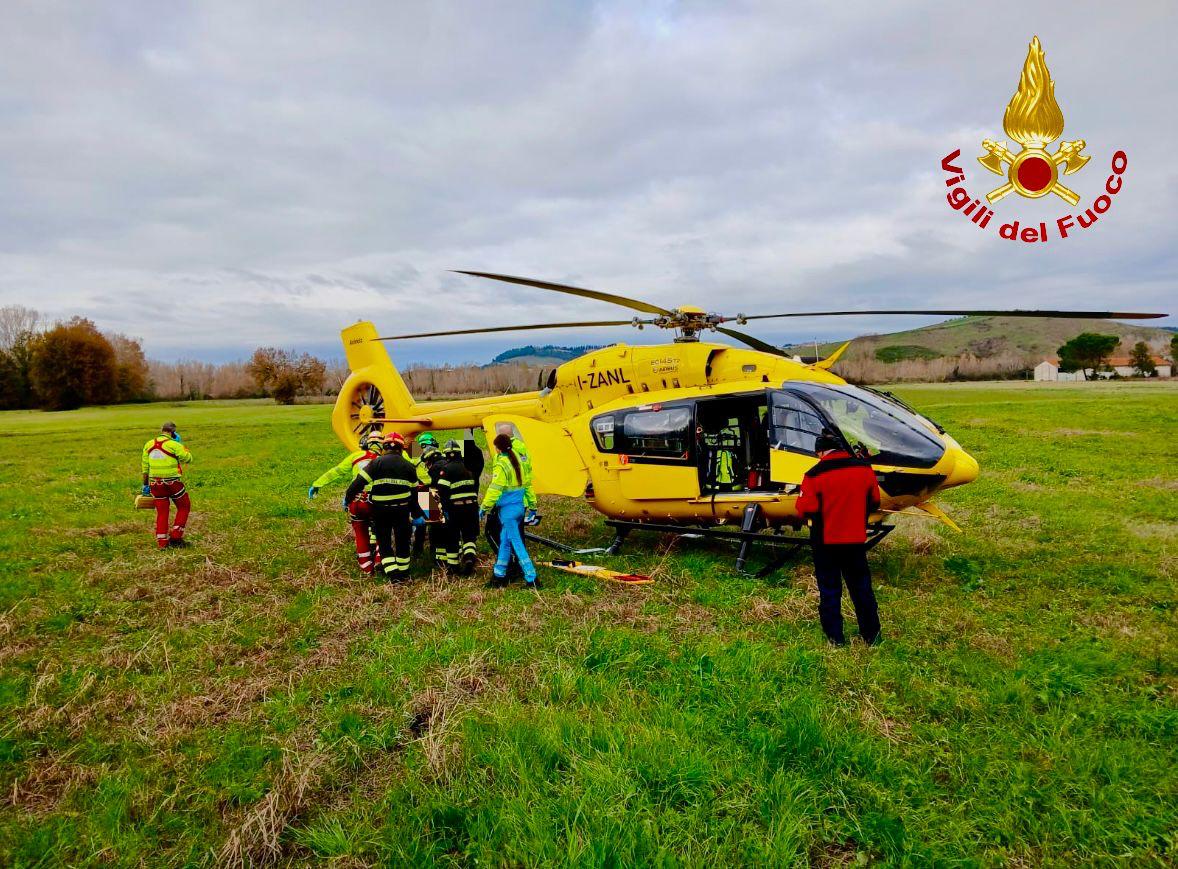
(16, 321)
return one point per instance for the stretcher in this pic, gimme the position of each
(596, 570)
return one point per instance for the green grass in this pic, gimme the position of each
(900, 352)
(254, 697)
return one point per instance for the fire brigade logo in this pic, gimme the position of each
(1034, 120)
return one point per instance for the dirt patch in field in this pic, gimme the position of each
(1083, 432)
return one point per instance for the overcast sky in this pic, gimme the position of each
(217, 175)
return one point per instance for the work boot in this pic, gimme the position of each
(534, 585)
(178, 542)
(497, 582)
(466, 567)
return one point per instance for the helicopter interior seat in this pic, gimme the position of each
(734, 447)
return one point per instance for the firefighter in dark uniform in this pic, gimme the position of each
(838, 495)
(431, 461)
(458, 490)
(390, 481)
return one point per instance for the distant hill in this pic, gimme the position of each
(546, 354)
(988, 336)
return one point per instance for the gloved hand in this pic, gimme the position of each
(418, 521)
(531, 517)
(311, 493)
(146, 489)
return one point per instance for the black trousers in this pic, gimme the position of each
(463, 525)
(835, 563)
(392, 529)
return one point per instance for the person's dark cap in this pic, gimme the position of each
(826, 441)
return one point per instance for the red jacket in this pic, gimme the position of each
(839, 493)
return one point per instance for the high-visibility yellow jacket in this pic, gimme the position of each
(345, 470)
(724, 472)
(423, 476)
(521, 453)
(503, 479)
(162, 458)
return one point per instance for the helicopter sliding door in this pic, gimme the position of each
(650, 448)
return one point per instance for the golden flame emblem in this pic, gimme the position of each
(1034, 120)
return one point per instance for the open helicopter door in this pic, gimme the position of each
(794, 426)
(557, 467)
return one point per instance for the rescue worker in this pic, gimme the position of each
(389, 480)
(838, 495)
(458, 490)
(432, 460)
(425, 442)
(163, 480)
(360, 510)
(494, 528)
(517, 444)
(511, 492)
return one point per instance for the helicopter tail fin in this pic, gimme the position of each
(366, 354)
(826, 363)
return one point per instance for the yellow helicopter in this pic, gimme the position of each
(688, 437)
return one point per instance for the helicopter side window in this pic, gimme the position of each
(657, 432)
(875, 426)
(603, 433)
(796, 425)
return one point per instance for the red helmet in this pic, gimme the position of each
(395, 438)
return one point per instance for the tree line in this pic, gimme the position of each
(72, 363)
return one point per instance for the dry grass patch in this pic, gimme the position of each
(436, 711)
(46, 783)
(795, 608)
(257, 838)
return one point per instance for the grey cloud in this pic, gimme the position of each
(289, 167)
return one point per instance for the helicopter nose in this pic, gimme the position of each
(965, 469)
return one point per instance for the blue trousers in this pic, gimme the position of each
(511, 514)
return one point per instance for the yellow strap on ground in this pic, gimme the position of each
(596, 570)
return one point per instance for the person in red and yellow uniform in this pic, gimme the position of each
(163, 480)
(838, 495)
(360, 510)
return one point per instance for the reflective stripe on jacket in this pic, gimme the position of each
(503, 479)
(456, 484)
(162, 458)
(389, 481)
(345, 470)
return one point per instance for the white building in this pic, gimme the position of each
(1048, 369)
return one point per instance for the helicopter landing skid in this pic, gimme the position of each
(785, 545)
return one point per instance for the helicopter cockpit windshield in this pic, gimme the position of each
(873, 425)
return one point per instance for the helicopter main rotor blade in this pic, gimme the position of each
(755, 343)
(634, 304)
(1093, 315)
(516, 329)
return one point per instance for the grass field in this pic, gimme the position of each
(254, 699)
